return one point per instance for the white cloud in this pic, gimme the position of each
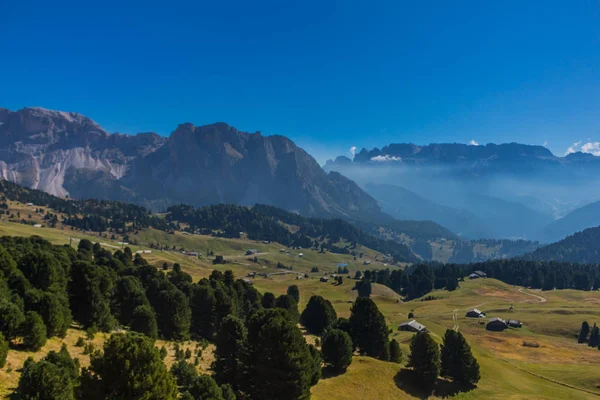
(353, 151)
(545, 143)
(574, 148)
(473, 143)
(385, 158)
(589, 147)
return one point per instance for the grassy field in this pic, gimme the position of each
(558, 369)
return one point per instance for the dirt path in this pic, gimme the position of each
(540, 298)
(455, 319)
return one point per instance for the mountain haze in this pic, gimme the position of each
(577, 220)
(582, 247)
(513, 190)
(404, 204)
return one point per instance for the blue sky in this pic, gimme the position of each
(328, 74)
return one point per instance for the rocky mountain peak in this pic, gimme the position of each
(68, 153)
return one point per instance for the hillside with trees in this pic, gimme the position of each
(46, 288)
(259, 222)
(581, 247)
(546, 275)
(269, 223)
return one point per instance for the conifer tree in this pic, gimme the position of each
(34, 331)
(143, 320)
(294, 292)
(369, 329)
(185, 374)
(318, 315)
(279, 358)
(288, 303)
(337, 349)
(204, 387)
(395, 351)
(202, 303)
(457, 360)
(11, 319)
(424, 358)
(230, 352)
(584, 332)
(594, 340)
(316, 364)
(363, 287)
(130, 368)
(3, 350)
(268, 300)
(52, 378)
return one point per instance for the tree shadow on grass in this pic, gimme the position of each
(328, 372)
(407, 381)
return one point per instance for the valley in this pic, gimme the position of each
(510, 369)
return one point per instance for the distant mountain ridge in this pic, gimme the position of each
(514, 190)
(474, 157)
(577, 220)
(66, 153)
(404, 204)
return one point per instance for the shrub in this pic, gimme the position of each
(3, 350)
(34, 331)
(337, 349)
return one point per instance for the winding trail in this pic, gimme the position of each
(540, 298)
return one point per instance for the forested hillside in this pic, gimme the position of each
(259, 222)
(260, 352)
(582, 247)
(546, 275)
(263, 222)
(92, 215)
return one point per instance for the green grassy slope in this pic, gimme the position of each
(558, 369)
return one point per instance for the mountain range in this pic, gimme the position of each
(512, 190)
(418, 195)
(66, 153)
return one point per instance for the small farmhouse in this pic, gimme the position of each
(477, 275)
(496, 324)
(475, 313)
(248, 281)
(412, 326)
(251, 252)
(324, 279)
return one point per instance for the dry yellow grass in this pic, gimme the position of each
(9, 375)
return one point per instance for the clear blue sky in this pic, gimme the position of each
(330, 75)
